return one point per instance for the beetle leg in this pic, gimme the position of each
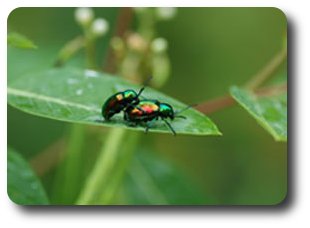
(146, 82)
(126, 116)
(148, 126)
(171, 128)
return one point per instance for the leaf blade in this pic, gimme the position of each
(24, 187)
(75, 95)
(270, 113)
(20, 41)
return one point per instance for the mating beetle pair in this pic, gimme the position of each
(138, 111)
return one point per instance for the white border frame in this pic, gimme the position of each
(295, 213)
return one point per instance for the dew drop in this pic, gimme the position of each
(91, 74)
(79, 92)
(72, 81)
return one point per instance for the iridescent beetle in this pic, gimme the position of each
(147, 110)
(119, 102)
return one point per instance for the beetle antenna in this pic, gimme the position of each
(182, 110)
(145, 83)
(140, 91)
(181, 117)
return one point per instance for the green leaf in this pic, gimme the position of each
(20, 41)
(151, 180)
(270, 112)
(24, 187)
(77, 96)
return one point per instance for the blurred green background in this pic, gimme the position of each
(210, 49)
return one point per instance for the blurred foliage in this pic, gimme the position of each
(19, 41)
(210, 49)
(24, 187)
(153, 181)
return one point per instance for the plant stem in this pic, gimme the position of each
(147, 184)
(98, 178)
(90, 50)
(259, 78)
(271, 90)
(126, 157)
(215, 104)
(68, 177)
(227, 101)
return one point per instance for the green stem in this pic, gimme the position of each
(68, 176)
(90, 50)
(98, 178)
(140, 175)
(122, 165)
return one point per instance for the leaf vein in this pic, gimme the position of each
(35, 96)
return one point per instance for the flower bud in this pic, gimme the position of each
(140, 9)
(159, 45)
(100, 27)
(166, 13)
(136, 42)
(84, 16)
